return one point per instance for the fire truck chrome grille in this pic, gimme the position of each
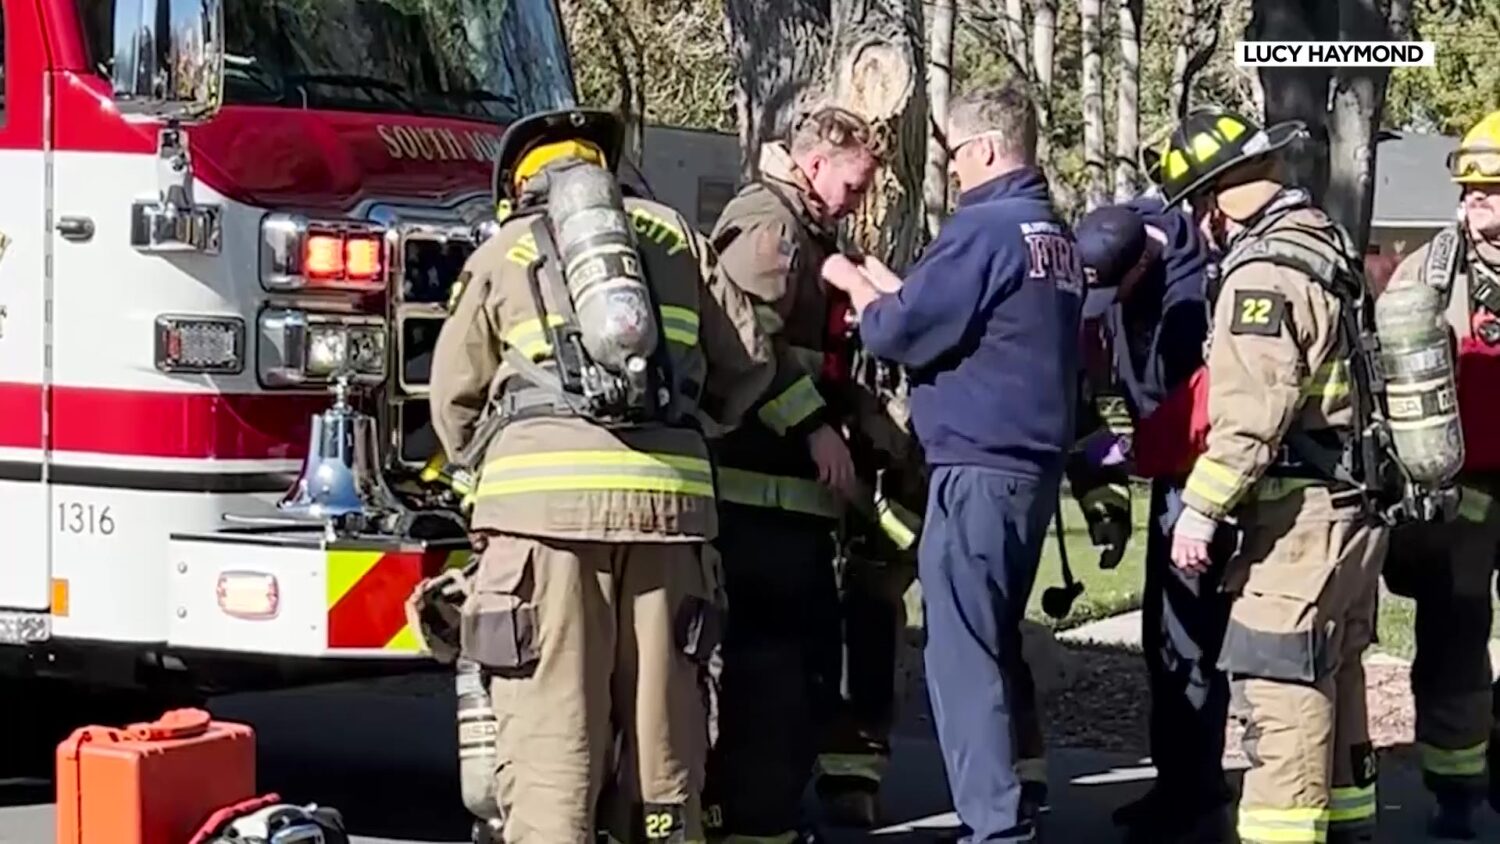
(431, 258)
(429, 267)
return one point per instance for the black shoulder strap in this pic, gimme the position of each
(1445, 254)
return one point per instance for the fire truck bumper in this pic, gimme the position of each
(299, 593)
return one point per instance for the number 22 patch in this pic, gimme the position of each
(1257, 312)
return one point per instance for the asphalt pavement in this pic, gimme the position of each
(383, 753)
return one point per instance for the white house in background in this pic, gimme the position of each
(694, 171)
(1414, 196)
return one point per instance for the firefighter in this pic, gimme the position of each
(597, 595)
(1149, 265)
(781, 476)
(1449, 568)
(1287, 394)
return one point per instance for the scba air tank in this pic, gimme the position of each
(477, 752)
(604, 275)
(1420, 391)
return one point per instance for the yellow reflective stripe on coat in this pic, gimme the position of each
(530, 338)
(679, 325)
(1329, 381)
(794, 405)
(1466, 762)
(1351, 806)
(564, 471)
(1294, 826)
(1473, 504)
(898, 523)
(777, 492)
(1115, 496)
(869, 766)
(1215, 483)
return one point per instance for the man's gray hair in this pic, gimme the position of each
(1001, 111)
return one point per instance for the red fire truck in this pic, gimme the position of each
(208, 206)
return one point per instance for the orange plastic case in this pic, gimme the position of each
(151, 783)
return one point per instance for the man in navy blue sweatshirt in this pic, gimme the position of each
(987, 324)
(1148, 289)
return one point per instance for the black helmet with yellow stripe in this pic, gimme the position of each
(531, 143)
(1209, 142)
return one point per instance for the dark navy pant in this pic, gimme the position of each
(980, 547)
(1182, 624)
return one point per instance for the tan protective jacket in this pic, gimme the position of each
(772, 246)
(567, 477)
(1460, 312)
(1276, 362)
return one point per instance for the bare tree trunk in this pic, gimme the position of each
(1043, 44)
(779, 59)
(939, 87)
(1299, 93)
(1128, 101)
(1358, 101)
(1096, 192)
(620, 39)
(878, 72)
(1195, 48)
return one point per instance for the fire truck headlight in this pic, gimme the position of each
(300, 348)
(332, 346)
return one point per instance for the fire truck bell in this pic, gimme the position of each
(341, 480)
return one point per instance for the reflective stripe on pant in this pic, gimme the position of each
(779, 672)
(580, 639)
(1183, 622)
(978, 556)
(1304, 582)
(1448, 569)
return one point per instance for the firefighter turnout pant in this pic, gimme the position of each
(777, 676)
(1183, 620)
(856, 746)
(597, 655)
(1448, 569)
(1305, 584)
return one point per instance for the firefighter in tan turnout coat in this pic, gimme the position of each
(1283, 406)
(1449, 568)
(598, 594)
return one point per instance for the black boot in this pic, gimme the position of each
(1033, 800)
(1453, 818)
(851, 802)
(1164, 818)
(1494, 762)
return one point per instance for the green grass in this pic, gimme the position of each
(1106, 593)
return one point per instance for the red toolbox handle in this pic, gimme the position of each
(173, 724)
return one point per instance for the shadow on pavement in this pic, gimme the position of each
(383, 753)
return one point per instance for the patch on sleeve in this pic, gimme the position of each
(456, 292)
(1257, 312)
(775, 249)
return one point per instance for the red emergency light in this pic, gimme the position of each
(344, 260)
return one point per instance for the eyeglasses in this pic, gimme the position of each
(953, 147)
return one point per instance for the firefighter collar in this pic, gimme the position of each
(1289, 199)
(780, 174)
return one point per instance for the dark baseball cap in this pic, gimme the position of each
(1110, 241)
